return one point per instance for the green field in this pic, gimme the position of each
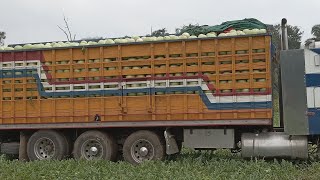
(189, 165)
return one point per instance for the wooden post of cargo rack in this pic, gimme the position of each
(153, 105)
(43, 63)
(53, 79)
(102, 78)
(185, 97)
(150, 97)
(25, 87)
(120, 86)
(233, 63)
(71, 78)
(11, 102)
(199, 73)
(41, 58)
(200, 102)
(13, 93)
(217, 63)
(102, 100)
(268, 67)
(86, 60)
(168, 107)
(120, 78)
(252, 113)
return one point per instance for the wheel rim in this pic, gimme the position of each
(142, 150)
(44, 148)
(92, 149)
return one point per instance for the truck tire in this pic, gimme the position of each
(143, 146)
(47, 145)
(94, 145)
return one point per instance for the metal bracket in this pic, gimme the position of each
(314, 98)
(317, 60)
(171, 143)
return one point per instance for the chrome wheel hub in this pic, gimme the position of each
(44, 148)
(92, 149)
(142, 150)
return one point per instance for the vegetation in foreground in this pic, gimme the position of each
(189, 165)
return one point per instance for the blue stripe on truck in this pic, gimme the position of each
(312, 80)
(314, 121)
(124, 92)
(317, 50)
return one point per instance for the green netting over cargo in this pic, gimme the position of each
(250, 23)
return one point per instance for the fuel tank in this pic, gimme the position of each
(274, 144)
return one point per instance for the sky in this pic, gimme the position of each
(27, 21)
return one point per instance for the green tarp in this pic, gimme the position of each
(250, 23)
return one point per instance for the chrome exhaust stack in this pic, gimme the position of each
(274, 145)
(284, 35)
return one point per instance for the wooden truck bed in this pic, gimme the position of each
(211, 81)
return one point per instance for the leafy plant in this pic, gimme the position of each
(220, 164)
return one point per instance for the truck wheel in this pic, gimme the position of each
(93, 145)
(143, 146)
(47, 145)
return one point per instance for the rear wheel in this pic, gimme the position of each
(143, 146)
(94, 145)
(47, 145)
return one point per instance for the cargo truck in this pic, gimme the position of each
(143, 100)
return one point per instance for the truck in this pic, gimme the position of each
(143, 100)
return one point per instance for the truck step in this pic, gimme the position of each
(10, 148)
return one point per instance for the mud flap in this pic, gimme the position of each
(171, 143)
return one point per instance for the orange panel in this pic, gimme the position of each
(229, 64)
(136, 50)
(62, 54)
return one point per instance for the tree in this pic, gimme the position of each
(194, 29)
(66, 30)
(294, 36)
(2, 37)
(160, 32)
(315, 31)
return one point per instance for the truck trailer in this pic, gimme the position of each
(144, 100)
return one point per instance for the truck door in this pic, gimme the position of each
(312, 70)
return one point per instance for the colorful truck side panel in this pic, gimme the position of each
(222, 80)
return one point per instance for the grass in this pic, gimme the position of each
(276, 111)
(189, 165)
